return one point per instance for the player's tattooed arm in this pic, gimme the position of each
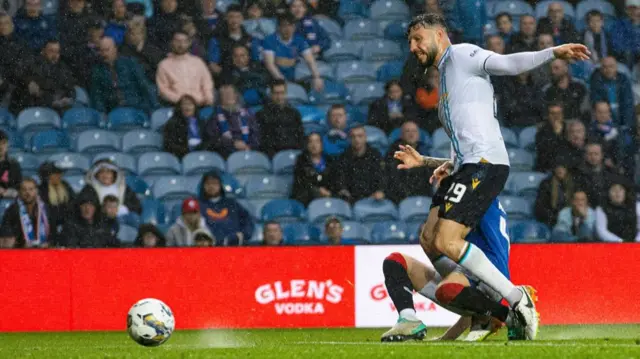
(434, 162)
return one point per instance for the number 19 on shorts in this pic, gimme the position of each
(455, 192)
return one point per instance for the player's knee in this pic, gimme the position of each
(447, 292)
(393, 260)
(448, 237)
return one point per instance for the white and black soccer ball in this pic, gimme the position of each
(150, 322)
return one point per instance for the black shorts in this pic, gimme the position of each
(465, 196)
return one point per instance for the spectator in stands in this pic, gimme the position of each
(58, 196)
(542, 75)
(209, 18)
(596, 38)
(613, 87)
(73, 27)
(594, 176)
(198, 43)
(557, 25)
(333, 229)
(336, 140)
(496, 44)
(618, 218)
(254, 9)
(228, 35)
(360, 169)
(110, 205)
(525, 39)
(575, 223)
(562, 88)
(7, 238)
(549, 138)
(119, 82)
(604, 131)
(625, 38)
(282, 49)
(184, 74)
(105, 178)
(185, 132)
(87, 229)
(14, 57)
(554, 193)
(88, 55)
(46, 83)
(33, 26)
(117, 25)
(272, 233)
(504, 24)
(202, 238)
(576, 140)
(309, 29)
(520, 106)
(312, 174)
(270, 8)
(249, 77)
(280, 123)
(390, 111)
(164, 24)
(426, 98)
(232, 127)
(144, 52)
(467, 17)
(183, 232)
(10, 171)
(28, 218)
(149, 236)
(227, 220)
(405, 183)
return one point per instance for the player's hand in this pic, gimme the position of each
(441, 173)
(571, 52)
(409, 157)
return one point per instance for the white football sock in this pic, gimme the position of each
(409, 314)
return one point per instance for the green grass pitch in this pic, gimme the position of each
(619, 341)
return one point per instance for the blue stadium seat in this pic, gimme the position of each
(414, 209)
(73, 163)
(50, 141)
(153, 211)
(389, 10)
(391, 70)
(230, 184)
(376, 138)
(248, 162)
(510, 137)
(29, 163)
(259, 28)
(78, 119)
(125, 161)
(516, 207)
(520, 160)
(333, 92)
(330, 26)
(160, 116)
(201, 162)
(285, 161)
(130, 219)
(413, 232)
(97, 141)
(127, 235)
(16, 140)
(382, 50)
(350, 10)
(525, 184)
(355, 72)
(82, 97)
(37, 119)
(315, 127)
(267, 187)
(138, 185)
(125, 118)
(296, 94)
(370, 210)
(4, 204)
(283, 210)
(424, 136)
(158, 163)
(342, 50)
(361, 29)
(303, 73)
(76, 182)
(440, 139)
(172, 188)
(321, 208)
(300, 234)
(396, 31)
(543, 7)
(354, 233)
(141, 141)
(515, 8)
(254, 206)
(365, 93)
(528, 138)
(257, 237)
(529, 232)
(247, 205)
(7, 118)
(389, 232)
(310, 113)
(222, 5)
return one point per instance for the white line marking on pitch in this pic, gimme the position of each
(451, 343)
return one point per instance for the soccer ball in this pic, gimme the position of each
(150, 322)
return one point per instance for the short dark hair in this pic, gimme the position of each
(426, 20)
(356, 126)
(277, 82)
(286, 18)
(111, 199)
(335, 106)
(504, 14)
(593, 13)
(179, 32)
(390, 83)
(266, 224)
(234, 8)
(555, 104)
(332, 219)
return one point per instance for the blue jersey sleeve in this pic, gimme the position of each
(213, 51)
(300, 44)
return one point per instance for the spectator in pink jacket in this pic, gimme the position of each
(184, 74)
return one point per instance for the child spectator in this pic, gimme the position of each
(110, 205)
(202, 238)
(149, 236)
(185, 132)
(105, 178)
(191, 222)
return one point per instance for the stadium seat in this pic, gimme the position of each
(29, 163)
(125, 161)
(361, 29)
(160, 116)
(248, 162)
(342, 50)
(515, 8)
(303, 73)
(310, 113)
(389, 10)
(525, 184)
(254, 207)
(543, 7)
(330, 26)
(376, 138)
(529, 232)
(285, 161)
(414, 209)
(172, 188)
(267, 187)
(201, 162)
(158, 163)
(389, 232)
(230, 184)
(76, 182)
(257, 237)
(38, 119)
(520, 160)
(6, 118)
(131, 219)
(333, 92)
(321, 208)
(283, 210)
(355, 72)
(562, 237)
(50, 141)
(300, 234)
(141, 141)
(125, 118)
(315, 127)
(138, 185)
(72, 163)
(127, 235)
(516, 207)
(260, 28)
(528, 138)
(414, 230)
(16, 140)
(97, 141)
(354, 233)
(350, 10)
(365, 93)
(381, 50)
(78, 119)
(82, 97)
(424, 136)
(296, 94)
(370, 210)
(391, 70)
(396, 31)
(153, 211)
(440, 140)
(510, 137)
(248, 206)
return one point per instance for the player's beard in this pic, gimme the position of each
(431, 53)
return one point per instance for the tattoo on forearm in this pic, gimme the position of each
(433, 162)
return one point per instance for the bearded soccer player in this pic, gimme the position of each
(480, 164)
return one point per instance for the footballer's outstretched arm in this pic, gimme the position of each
(515, 64)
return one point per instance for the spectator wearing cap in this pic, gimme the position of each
(117, 25)
(10, 171)
(137, 46)
(554, 193)
(7, 238)
(119, 82)
(28, 218)
(185, 132)
(280, 123)
(309, 28)
(33, 26)
(190, 223)
(625, 36)
(110, 205)
(57, 194)
(336, 140)
(87, 228)
(609, 85)
(228, 34)
(164, 23)
(184, 74)
(313, 172)
(249, 77)
(202, 238)
(105, 178)
(149, 236)
(391, 110)
(557, 25)
(333, 230)
(272, 233)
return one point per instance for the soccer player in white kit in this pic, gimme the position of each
(480, 164)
